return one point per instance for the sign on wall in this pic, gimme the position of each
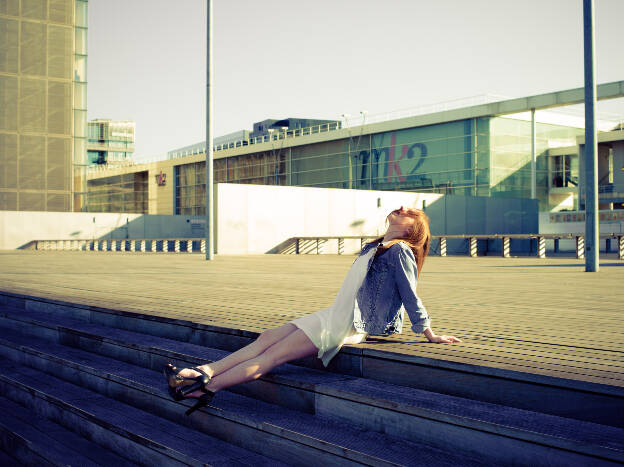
(424, 157)
(161, 179)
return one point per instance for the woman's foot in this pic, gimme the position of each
(179, 382)
(189, 383)
(195, 372)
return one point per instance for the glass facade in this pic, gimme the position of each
(110, 142)
(121, 193)
(485, 156)
(564, 171)
(80, 105)
(190, 189)
(488, 156)
(36, 104)
(510, 156)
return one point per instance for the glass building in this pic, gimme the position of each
(43, 102)
(486, 156)
(514, 148)
(110, 142)
(119, 193)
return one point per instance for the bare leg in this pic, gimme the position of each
(263, 342)
(295, 345)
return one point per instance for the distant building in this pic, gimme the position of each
(478, 150)
(110, 142)
(43, 105)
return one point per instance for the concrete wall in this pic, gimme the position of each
(18, 228)
(161, 198)
(480, 215)
(255, 219)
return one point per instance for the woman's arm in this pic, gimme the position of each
(405, 276)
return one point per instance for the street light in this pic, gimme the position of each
(592, 239)
(209, 232)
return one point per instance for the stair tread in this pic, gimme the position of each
(504, 416)
(256, 412)
(8, 461)
(53, 440)
(182, 439)
(372, 391)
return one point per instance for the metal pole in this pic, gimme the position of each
(533, 157)
(209, 126)
(591, 160)
(475, 152)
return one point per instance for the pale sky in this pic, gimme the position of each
(322, 59)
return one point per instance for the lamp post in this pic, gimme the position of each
(591, 160)
(209, 129)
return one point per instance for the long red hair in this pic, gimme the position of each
(418, 237)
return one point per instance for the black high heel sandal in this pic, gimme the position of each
(177, 388)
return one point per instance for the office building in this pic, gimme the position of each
(43, 104)
(110, 142)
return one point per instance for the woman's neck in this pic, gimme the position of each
(392, 234)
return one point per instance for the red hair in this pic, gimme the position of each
(418, 237)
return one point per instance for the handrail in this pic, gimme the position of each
(319, 241)
(279, 135)
(306, 244)
(177, 245)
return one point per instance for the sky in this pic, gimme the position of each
(322, 59)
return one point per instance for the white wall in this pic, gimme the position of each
(254, 219)
(18, 228)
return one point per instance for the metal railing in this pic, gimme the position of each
(316, 245)
(311, 245)
(165, 245)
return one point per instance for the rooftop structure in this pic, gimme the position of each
(262, 131)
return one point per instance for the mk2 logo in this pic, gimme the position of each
(399, 163)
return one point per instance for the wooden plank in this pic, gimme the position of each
(542, 316)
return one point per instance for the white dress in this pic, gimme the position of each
(331, 328)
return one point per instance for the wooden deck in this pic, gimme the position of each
(541, 316)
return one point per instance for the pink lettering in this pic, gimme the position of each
(393, 166)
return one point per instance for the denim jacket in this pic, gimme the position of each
(389, 289)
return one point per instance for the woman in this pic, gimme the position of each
(380, 285)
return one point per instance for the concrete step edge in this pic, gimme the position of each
(164, 402)
(60, 444)
(16, 391)
(24, 450)
(24, 301)
(592, 450)
(7, 460)
(322, 389)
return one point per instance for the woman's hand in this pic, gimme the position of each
(444, 339)
(432, 337)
